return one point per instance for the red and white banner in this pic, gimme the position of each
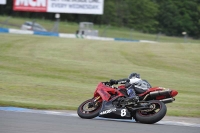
(30, 5)
(2, 2)
(60, 6)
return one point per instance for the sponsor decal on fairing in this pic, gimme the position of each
(108, 111)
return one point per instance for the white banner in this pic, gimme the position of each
(60, 6)
(76, 6)
(2, 2)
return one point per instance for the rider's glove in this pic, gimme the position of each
(112, 82)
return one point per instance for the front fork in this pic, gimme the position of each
(94, 102)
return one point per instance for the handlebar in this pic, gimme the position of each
(108, 83)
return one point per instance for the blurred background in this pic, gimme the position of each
(121, 18)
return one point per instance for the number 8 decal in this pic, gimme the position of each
(123, 112)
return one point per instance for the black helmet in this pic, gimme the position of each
(136, 75)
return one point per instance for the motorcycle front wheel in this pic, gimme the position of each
(88, 111)
(157, 110)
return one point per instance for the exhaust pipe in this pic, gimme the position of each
(160, 93)
(167, 100)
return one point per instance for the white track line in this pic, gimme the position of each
(162, 122)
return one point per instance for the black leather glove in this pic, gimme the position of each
(128, 80)
(112, 82)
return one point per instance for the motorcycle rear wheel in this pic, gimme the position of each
(87, 112)
(156, 112)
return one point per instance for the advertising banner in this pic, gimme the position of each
(60, 6)
(2, 2)
(30, 5)
(76, 6)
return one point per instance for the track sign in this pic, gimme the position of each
(76, 6)
(60, 6)
(30, 5)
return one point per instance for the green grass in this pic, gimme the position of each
(60, 73)
(104, 30)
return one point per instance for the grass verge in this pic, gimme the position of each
(60, 73)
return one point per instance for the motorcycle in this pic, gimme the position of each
(109, 102)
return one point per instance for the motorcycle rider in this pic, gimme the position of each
(134, 84)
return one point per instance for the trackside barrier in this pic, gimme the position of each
(99, 38)
(145, 41)
(124, 39)
(17, 31)
(67, 35)
(44, 33)
(4, 30)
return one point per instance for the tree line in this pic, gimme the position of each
(169, 17)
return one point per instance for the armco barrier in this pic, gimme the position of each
(67, 35)
(17, 31)
(4, 30)
(124, 39)
(44, 33)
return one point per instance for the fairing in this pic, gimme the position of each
(151, 90)
(106, 91)
(110, 111)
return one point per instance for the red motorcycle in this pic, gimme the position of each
(109, 102)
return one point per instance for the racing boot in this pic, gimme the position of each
(132, 99)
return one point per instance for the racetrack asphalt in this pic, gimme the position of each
(37, 121)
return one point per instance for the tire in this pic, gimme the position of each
(88, 113)
(151, 116)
